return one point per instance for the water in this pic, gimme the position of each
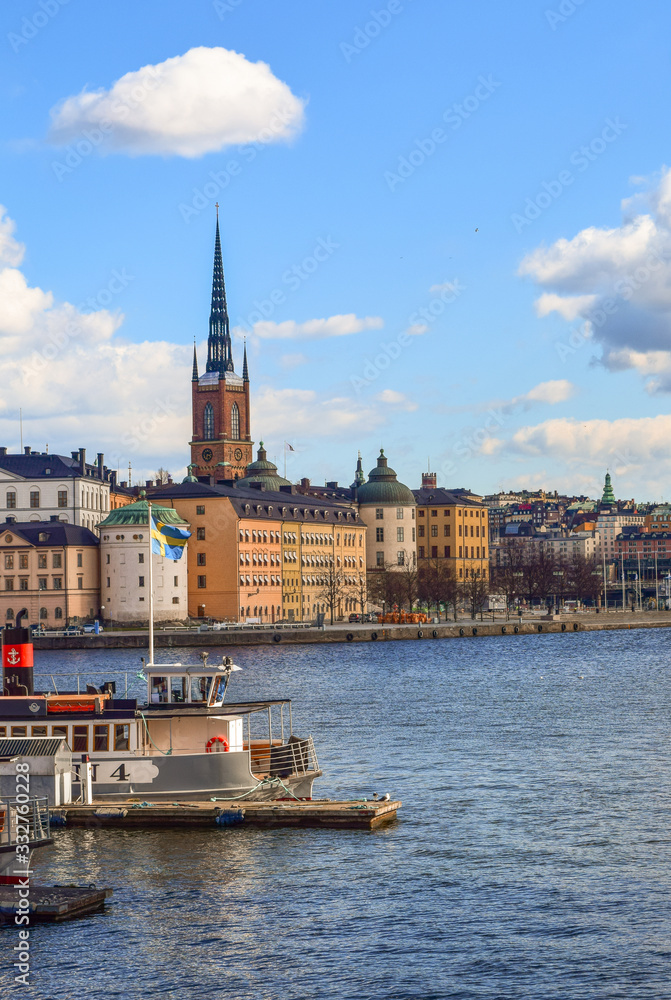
(530, 860)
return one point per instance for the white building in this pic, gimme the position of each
(388, 509)
(124, 568)
(38, 486)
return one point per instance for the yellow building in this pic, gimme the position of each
(453, 527)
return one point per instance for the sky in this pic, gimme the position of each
(446, 230)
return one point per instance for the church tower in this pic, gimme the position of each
(221, 444)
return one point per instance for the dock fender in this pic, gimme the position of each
(434, 634)
(420, 634)
(475, 631)
(349, 636)
(540, 628)
(503, 630)
(277, 637)
(516, 629)
(373, 636)
(563, 626)
(461, 631)
(575, 626)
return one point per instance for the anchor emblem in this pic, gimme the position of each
(13, 655)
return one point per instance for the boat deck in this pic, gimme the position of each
(324, 813)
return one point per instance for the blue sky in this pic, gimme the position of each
(502, 166)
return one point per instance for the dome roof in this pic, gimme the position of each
(383, 487)
(136, 513)
(262, 471)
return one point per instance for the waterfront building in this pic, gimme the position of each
(454, 529)
(659, 519)
(268, 555)
(387, 507)
(124, 567)
(50, 569)
(644, 559)
(36, 486)
(221, 444)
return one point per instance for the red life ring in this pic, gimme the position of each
(216, 739)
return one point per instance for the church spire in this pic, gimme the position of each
(219, 353)
(194, 375)
(245, 370)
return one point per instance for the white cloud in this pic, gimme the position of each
(189, 105)
(633, 442)
(302, 412)
(617, 283)
(397, 399)
(417, 329)
(553, 392)
(290, 361)
(313, 329)
(11, 252)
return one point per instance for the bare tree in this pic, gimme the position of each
(334, 589)
(162, 476)
(385, 586)
(438, 585)
(475, 591)
(360, 588)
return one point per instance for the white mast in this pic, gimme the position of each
(151, 589)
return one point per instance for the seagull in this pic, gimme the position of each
(477, 230)
(375, 795)
(385, 797)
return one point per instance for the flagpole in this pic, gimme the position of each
(151, 590)
(285, 460)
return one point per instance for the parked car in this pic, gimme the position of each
(73, 630)
(370, 617)
(354, 617)
(91, 627)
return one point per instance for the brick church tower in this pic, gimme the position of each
(221, 445)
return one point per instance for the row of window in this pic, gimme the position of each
(56, 560)
(475, 552)
(447, 530)
(42, 583)
(400, 534)
(447, 511)
(208, 422)
(122, 558)
(44, 614)
(83, 740)
(379, 513)
(400, 559)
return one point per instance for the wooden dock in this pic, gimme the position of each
(53, 904)
(322, 813)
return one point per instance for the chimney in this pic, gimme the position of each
(26, 450)
(332, 485)
(305, 483)
(101, 473)
(3, 451)
(75, 455)
(112, 479)
(149, 482)
(429, 480)
(82, 461)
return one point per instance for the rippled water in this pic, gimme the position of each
(530, 860)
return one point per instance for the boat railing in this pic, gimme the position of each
(296, 756)
(18, 819)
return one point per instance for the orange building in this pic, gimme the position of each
(455, 528)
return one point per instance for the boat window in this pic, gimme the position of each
(3, 731)
(101, 738)
(61, 732)
(39, 730)
(178, 689)
(218, 689)
(159, 690)
(122, 737)
(19, 731)
(200, 688)
(80, 743)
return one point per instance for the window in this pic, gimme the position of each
(100, 739)
(200, 559)
(434, 513)
(80, 583)
(379, 513)
(9, 614)
(175, 581)
(39, 731)
(140, 581)
(9, 584)
(413, 534)
(23, 583)
(107, 560)
(379, 560)
(175, 600)
(34, 498)
(446, 530)
(200, 508)
(434, 551)
(420, 513)
(62, 498)
(56, 560)
(434, 530)
(200, 534)
(58, 613)
(58, 583)
(80, 559)
(23, 560)
(11, 500)
(42, 583)
(9, 561)
(43, 611)
(379, 534)
(80, 741)
(400, 535)
(235, 422)
(400, 557)
(59, 732)
(399, 513)
(42, 560)
(122, 737)
(447, 551)
(420, 551)
(19, 731)
(202, 582)
(208, 422)
(420, 531)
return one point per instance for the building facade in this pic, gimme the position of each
(387, 508)
(221, 444)
(454, 530)
(51, 570)
(124, 568)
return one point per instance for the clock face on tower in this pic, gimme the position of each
(207, 454)
(237, 454)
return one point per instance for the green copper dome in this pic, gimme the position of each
(136, 513)
(262, 471)
(608, 495)
(383, 487)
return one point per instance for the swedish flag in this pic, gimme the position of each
(167, 539)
